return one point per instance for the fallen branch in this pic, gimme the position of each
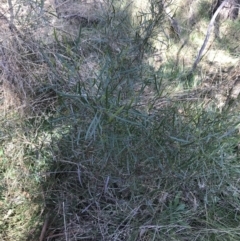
(210, 26)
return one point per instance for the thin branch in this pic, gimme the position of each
(210, 26)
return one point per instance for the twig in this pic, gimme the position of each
(11, 12)
(44, 228)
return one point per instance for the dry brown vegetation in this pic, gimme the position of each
(104, 133)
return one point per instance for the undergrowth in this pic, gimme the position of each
(98, 144)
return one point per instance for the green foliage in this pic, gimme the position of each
(204, 9)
